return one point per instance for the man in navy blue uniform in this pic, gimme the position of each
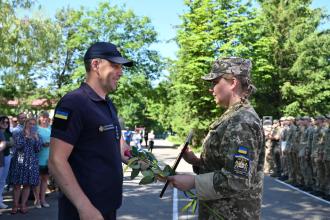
(86, 145)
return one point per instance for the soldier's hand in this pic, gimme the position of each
(191, 158)
(182, 182)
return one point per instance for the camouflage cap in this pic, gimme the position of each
(327, 116)
(230, 65)
(320, 117)
(282, 118)
(290, 118)
(306, 118)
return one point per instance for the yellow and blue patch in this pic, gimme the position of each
(242, 150)
(62, 114)
(61, 118)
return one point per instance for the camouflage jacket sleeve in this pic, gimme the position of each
(241, 171)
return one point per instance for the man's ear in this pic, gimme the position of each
(95, 64)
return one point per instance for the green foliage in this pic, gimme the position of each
(210, 29)
(294, 82)
(290, 57)
(175, 139)
(24, 45)
(309, 93)
(51, 51)
(151, 170)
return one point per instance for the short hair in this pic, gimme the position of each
(88, 65)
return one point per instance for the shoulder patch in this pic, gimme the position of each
(243, 150)
(61, 118)
(241, 165)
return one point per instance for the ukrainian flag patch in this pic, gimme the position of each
(61, 118)
(242, 150)
(62, 114)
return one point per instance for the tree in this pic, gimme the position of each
(132, 34)
(52, 51)
(293, 87)
(209, 29)
(23, 43)
(309, 93)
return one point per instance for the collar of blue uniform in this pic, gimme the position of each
(91, 93)
(233, 108)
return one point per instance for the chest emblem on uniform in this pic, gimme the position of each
(103, 128)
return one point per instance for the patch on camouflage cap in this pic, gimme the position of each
(231, 65)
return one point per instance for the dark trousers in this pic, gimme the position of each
(277, 159)
(151, 145)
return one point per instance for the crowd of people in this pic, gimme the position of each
(24, 152)
(298, 152)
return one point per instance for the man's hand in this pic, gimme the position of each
(191, 158)
(124, 148)
(143, 165)
(90, 212)
(182, 182)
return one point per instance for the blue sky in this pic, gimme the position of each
(164, 15)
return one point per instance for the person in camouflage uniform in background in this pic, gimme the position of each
(230, 168)
(317, 155)
(269, 162)
(295, 151)
(276, 148)
(304, 154)
(283, 142)
(326, 158)
(290, 141)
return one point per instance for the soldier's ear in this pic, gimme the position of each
(234, 83)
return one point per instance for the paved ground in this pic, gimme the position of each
(143, 202)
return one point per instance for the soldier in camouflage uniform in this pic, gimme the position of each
(283, 141)
(269, 162)
(230, 177)
(290, 142)
(317, 154)
(276, 148)
(326, 159)
(304, 154)
(295, 150)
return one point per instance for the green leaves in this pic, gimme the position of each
(148, 177)
(147, 180)
(135, 173)
(51, 50)
(168, 171)
(298, 47)
(151, 171)
(192, 204)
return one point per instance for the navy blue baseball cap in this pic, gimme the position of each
(107, 51)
